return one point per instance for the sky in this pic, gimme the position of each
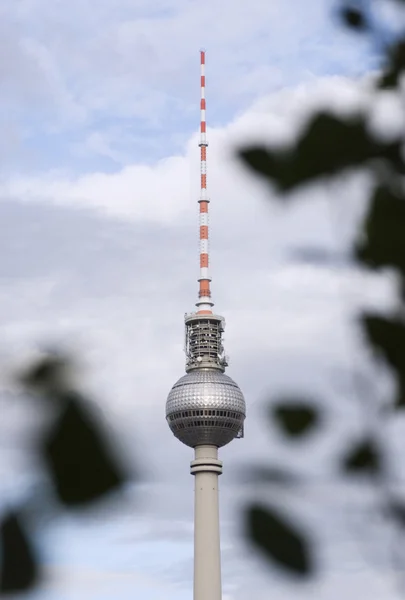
(99, 180)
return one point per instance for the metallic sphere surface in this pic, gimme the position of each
(205, 406)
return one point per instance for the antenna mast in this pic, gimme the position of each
(204, 303)
(203, 335)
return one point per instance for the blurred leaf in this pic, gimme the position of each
(363, 457)
(42, 371)
(295, 418)
(383, 242)
(81, 464)
(387, 336)
(354, 18)
(397, 511)
(279, 540)
(394, 67)
(19, 569)
(327, 146)
(47, 376)
(271, 474)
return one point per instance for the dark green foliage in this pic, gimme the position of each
(331, 146)
(354, 18)
(328, 145)
(387, 336)
(363, 458)
(81, 465)
(77, 456)
(295, 418)
(382, 240)
(43, 372)
(19, 570)
(394, 67)
(279, 540)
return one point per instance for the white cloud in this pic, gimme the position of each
(164, 191)
(140, 192)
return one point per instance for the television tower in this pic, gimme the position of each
(205, 409)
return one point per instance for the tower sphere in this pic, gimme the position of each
(205, 406)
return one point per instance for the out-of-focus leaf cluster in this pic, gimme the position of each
(326, 148)
(280, 540)
(80, 463)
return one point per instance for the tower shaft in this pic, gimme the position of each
(206, 469)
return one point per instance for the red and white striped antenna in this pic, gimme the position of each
(204, 303)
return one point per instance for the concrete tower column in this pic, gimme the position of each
(207, 558)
